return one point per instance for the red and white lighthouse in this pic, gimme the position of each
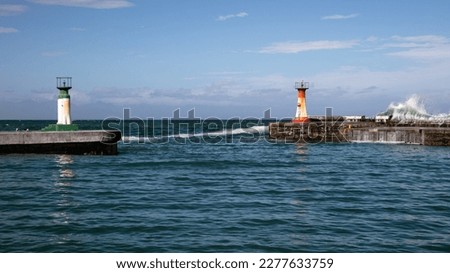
(301, 115)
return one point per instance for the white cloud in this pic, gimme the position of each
(95, 4)
(416, 41)
(230, 16)
(223, 90)
(425, 47)
(296, 47)
(422, 39)
(8, 30)
(9, 10)
(339, 16)
(176, 97)
(425, 54)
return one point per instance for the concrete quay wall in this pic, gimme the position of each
(407, 135)
(386, 135)
(60, 142)
(316, 132)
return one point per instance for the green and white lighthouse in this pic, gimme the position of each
(64, 84)
(64, 123)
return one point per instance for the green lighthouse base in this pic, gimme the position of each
(61, 127)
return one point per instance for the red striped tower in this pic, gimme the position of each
(301, 115)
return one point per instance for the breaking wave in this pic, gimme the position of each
(254, 130)
(239, 131)
(412, 109)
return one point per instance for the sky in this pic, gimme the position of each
(223, 58)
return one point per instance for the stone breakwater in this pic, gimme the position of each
(339, 130)
(94, 142)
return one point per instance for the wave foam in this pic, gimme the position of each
(254, 130)
(412, 109)
(239, 131)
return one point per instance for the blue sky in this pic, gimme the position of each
(225, 58)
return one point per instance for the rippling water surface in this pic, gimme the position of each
(229, 197)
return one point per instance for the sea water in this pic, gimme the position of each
(229, 190)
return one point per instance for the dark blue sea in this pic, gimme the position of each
(230, 190)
